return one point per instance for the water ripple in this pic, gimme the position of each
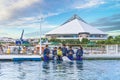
(76, 70)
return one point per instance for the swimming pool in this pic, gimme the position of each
(84, 70)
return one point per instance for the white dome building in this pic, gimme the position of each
(76, 28)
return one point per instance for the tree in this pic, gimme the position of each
(117, 39)
(67, 41)
(110, 37)
(85, 41)
(55, 40)
(101, 42)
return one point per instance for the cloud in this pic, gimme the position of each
(21, 8)
(4, 34)
(7, 8)
(44, 28)
(108, 23)
(26, 14)
(25, 22)
(89, 4)
(114, 33)
(30, 24)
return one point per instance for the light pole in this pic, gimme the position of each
(40, 36)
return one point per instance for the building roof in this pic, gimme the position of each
(75, 25)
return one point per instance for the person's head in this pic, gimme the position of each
(46, 46)
(64, 45)
(81, 47)
(55, 48)
(70, 47)
(59, 48)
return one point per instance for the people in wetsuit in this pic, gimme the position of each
(64, 50)
(70, 53)
(46, 53)
(59, 54)
(1, 49)
(79, 53)
(54, 52)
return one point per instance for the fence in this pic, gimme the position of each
(100, 49)
(88, 49)
(113, 49)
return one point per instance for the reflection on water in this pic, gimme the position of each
(22, 73)
(53, 70)
(57, 70)
(79, 65)
(45, 65)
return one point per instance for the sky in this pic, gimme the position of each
(16, 15)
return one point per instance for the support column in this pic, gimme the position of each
(107, 49)
(116, 49)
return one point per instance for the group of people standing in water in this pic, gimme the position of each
(60, 52)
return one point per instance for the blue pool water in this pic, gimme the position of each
(85, 70)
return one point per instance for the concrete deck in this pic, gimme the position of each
(38, 57)
(101, 56)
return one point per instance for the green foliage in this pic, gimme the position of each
(110, 40)
(101, 42)
(110, 37)
(70, 41)
(85, 41)
(55, 40)
(67, 41)
(117, 39)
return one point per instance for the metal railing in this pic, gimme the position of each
(88, 49)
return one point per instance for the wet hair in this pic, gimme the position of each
(59, 48)
(64, 45)
(46, 46)
(70, 47)
(81, 47)
(55, 47)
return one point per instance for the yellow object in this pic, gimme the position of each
(59, 52)
(8, 51)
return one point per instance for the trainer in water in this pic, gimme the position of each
(54, 53)
(79, 53)
(70, 53)
(63, 53)
(64, 50)
(46, 53)
(59, 54)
